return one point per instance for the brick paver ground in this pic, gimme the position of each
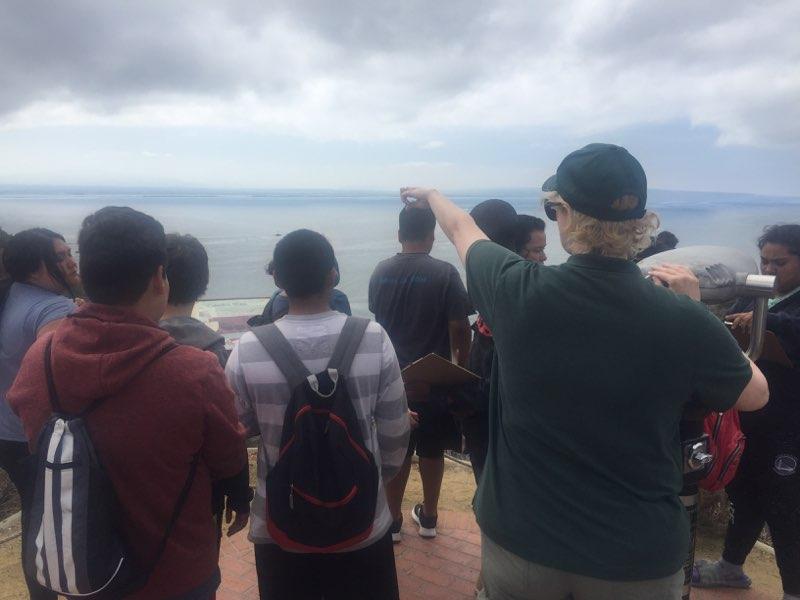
(444, 568)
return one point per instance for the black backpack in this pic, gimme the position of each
(322, 491)
(72, 543)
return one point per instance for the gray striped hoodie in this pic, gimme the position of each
(374, 384)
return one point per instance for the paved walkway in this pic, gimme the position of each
(444, 568)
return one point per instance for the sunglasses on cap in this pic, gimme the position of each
(550, 210)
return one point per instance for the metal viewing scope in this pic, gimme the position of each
(725, 275)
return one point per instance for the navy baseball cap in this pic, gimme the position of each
(593, 178)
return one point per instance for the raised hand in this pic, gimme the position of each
(416, 196)
(678, 278)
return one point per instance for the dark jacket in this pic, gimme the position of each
(189, 331)
(192, 332)
(481, 357)
(146, 432)
(278, 307)
(776, 427)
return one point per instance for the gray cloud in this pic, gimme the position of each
(351, 69)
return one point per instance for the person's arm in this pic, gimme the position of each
(238, 495)
(392, 419)
(456, 223)
(755, 394)
(458, 307)
(223, 446)
(50, 316)
(459, 340)
(244, 404)
(723, 376)
(224, 451)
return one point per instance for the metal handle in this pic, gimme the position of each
(755, 286)
(758, 329)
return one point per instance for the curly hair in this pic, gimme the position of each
(621, 239)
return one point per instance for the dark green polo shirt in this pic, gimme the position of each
(594, 366)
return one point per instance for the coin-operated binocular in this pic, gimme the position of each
(725, 275)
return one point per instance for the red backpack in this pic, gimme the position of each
(726, 444)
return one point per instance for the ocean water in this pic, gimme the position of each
(241, 228)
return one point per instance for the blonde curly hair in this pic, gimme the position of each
(619, 239)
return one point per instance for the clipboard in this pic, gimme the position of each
(772, 352)
(435, 370)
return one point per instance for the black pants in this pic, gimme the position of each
(11, 455)
(475, 429)
(766, 490)
(367, 574)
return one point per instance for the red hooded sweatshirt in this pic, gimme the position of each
(157, 417)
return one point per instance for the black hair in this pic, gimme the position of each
(27, 250)
(302, 261)
(498, 220)
(187, 268)
(785, 235)
(526, 225)
(120, 251)
(416, 224)
(667, 239)
(4, 237)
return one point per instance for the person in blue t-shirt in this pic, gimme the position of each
(40, 265)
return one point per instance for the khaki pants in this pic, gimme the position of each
(509, 577)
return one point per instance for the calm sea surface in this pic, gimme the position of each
(240, 229)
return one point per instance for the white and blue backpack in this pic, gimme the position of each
(72, 542)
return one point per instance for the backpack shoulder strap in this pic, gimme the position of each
(55, 403)
(176, 512)
(347, 344)
(281, 351)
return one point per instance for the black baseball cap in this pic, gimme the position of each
(592, 178)
(498, 220)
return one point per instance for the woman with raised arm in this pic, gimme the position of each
(594, 367)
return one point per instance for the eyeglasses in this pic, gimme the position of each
(550, 210)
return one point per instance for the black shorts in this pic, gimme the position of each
(437, 430)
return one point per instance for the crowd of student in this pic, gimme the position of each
(585, 371)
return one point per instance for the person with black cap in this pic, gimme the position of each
(501, 224)
(579, 494)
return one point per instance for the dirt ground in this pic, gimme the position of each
(9, 500)
(457, 491)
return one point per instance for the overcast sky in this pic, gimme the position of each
(378, 94)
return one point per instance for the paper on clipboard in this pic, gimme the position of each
(772, 352)
(435, 370)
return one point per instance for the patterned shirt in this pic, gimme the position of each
(374, 384)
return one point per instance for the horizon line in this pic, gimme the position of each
(260, 189)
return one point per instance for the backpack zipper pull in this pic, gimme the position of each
(291, 496)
